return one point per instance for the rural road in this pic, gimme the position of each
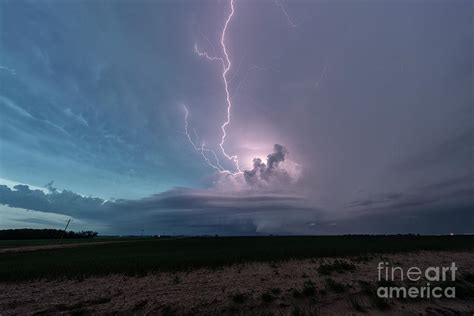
(60, 246)
(47, 247)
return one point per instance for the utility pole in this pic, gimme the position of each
(64, 231)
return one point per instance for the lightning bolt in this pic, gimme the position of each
(226, 68)
(226, 65)
(323, 72)
(285, 13)
(202, 149)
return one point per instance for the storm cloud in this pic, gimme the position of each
(177, 207)
(371, 100)
(193, 211)
(267, 174)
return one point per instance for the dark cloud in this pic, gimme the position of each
(98, 115)
(262, 173)
(50, 186)
(60, 202)
(32, 220)
(191, 211)
(455, 189)
(190, 199)
(182, 209)
(427, 219)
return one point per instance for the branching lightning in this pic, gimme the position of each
(226, 68)
(285, 13)
(201, 149)
(226, 64)
(321, 76)
(206, 55)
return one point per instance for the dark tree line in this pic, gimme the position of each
(28, 233)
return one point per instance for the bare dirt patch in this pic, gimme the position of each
(295, 287)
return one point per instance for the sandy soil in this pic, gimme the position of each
(236, 290)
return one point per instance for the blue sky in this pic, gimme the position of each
(371, 100)
(86, 106)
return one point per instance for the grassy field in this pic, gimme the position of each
(139, 257)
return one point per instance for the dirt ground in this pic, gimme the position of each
(246, 289)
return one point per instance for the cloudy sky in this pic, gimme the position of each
(359, 114)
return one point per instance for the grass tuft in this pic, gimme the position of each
(356, 304)
(267, 297)
(339, 266)
(239, 298)
(308, 288)
(176, 279)
(276, 291)
(334, 286)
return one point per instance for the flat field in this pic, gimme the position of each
(142, 256)
(330, 275)
(7, 244)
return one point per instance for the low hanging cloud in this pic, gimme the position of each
(55, 201)
(261, 200)
(192, 211)
(183, 210)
